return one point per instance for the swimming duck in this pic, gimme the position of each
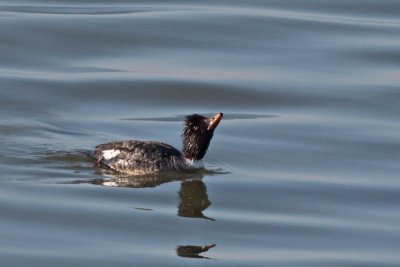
(143, 157)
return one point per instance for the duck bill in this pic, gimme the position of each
(214, 121)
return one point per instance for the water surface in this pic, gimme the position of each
(302, 171)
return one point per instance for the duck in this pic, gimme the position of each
(136, 157)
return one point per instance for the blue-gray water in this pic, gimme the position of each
(302, 171)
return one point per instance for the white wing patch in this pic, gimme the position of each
(122, 162)
(111, 153)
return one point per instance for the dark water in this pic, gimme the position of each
(302, 171)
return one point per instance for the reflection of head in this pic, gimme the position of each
(194, 199)
(193, 251)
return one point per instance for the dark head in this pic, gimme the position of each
(197, 135)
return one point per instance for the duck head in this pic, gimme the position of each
(197, 134)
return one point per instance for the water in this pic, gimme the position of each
(302, 171)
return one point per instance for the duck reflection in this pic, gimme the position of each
(193, 197)
(193, 251)
(112, 178)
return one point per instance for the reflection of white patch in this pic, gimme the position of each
(108, 154)
(110, 183)
(195, 164)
